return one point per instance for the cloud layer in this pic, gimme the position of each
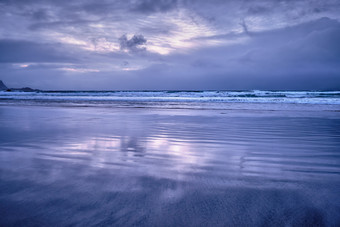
(170, 44)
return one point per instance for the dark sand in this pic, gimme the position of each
(85, 166)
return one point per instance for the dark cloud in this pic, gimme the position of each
(151, 6)
(304, 56)
(245, 27)
(16, 51)
(135, 44)
(258, 10)
(59, 24)
(40, 14)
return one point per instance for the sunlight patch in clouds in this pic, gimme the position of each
(79, 70)
(25, 65)
(185, 27)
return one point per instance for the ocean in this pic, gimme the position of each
(220, 97)
(170, 158)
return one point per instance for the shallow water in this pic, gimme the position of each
(245, 165)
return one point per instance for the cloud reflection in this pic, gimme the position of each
(128, 165)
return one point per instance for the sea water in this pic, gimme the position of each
(255, 96)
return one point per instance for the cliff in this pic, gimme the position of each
(2, 86)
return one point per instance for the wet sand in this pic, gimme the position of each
(86, 166)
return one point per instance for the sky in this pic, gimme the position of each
(170, 44)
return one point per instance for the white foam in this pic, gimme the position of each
(299, 97)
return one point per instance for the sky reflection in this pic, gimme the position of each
(171, 146)
(128, 165)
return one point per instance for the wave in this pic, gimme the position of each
(254, 96)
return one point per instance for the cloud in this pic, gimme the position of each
(40, 15)
(190, 44)
(152, 6)
(135, 43)
(15, 51)
(245, 27)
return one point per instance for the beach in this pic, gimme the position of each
(168, 164)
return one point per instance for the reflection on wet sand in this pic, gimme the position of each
(88, 166)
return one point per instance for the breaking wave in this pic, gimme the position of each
(254, 96)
